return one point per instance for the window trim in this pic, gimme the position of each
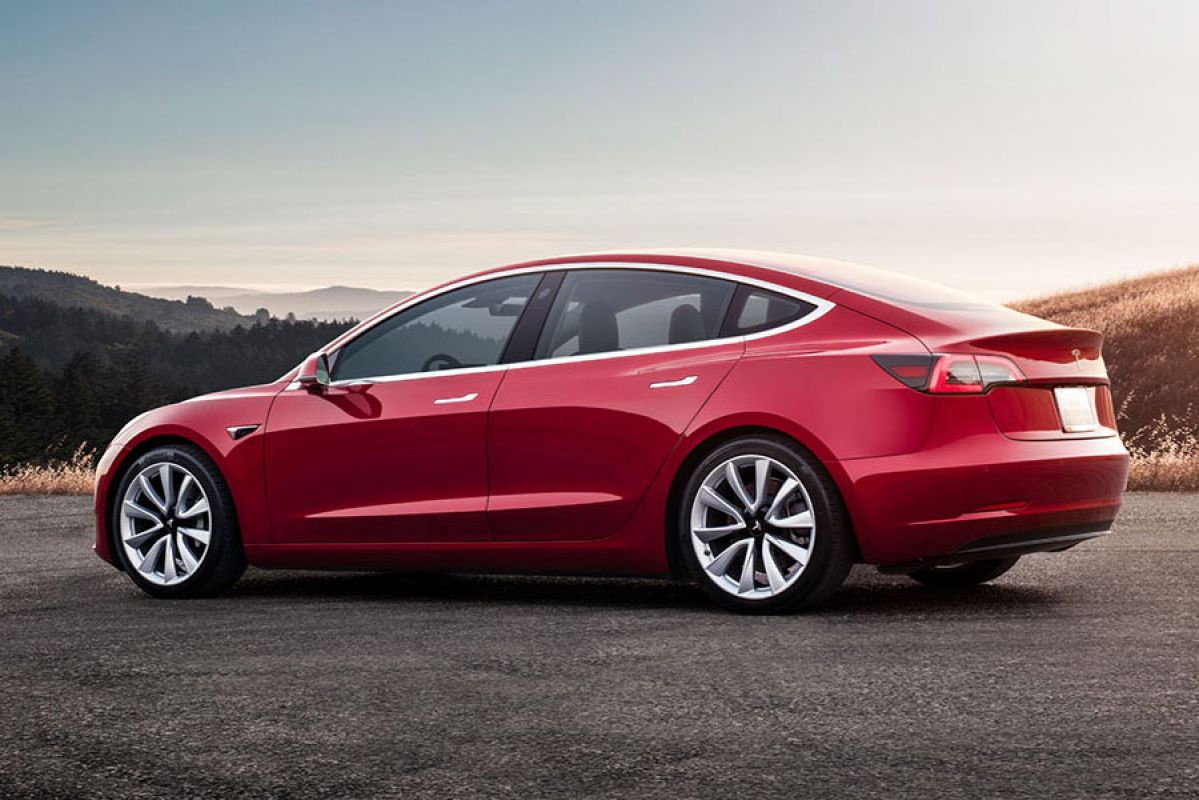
(822, 307)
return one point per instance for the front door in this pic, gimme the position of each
(394, 449)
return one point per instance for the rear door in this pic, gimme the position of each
(625, 360)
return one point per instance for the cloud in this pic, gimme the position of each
(24, 223)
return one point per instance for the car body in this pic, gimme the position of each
(569, 456)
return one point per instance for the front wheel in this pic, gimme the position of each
(762, 528)
(175, 527)
(963, 576)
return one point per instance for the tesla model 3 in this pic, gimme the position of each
(756, 423)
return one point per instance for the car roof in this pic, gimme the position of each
(879, 284)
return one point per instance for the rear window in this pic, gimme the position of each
(757, 310)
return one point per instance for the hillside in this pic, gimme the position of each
(73, 376)
(76, 291)
(329, 303)
(1151, 344)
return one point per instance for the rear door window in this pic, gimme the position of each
(609, 310)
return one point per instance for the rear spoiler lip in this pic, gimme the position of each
(1088, 342)
(1050, 355)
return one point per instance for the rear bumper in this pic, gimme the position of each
(1008, 545)
(983, 491)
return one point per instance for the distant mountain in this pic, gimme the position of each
(332, 302)
(76, 291)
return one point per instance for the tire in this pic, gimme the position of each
(796, 566)
(963, 576)
(173, 560)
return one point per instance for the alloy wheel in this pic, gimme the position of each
(166, 523)
(752, 526)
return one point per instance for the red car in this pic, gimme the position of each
(753, 422)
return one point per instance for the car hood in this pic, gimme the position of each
(206, 416)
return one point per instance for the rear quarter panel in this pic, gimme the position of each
(815, 384)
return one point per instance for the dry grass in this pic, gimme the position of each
(75, 475)
(1164, 459)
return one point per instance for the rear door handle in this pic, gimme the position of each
(466, 398)
(690, 379)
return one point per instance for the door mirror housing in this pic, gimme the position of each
(314, 374)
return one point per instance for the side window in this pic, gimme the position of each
(760, 310)
(467, 327)
(600, 311)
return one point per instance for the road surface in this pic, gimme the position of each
(1075, 675)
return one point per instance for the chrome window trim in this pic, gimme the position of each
(822, 307)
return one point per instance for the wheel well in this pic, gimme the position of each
(698, 454)
(119, 475)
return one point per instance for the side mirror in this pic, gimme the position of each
(314, 374)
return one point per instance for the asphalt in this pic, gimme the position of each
(1075, 675)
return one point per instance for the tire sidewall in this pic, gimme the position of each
(830, 547)
(224, 533)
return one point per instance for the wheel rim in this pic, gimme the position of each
(752, 526)
(166, 523)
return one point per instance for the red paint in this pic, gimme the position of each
(569, 466)
(574, 446)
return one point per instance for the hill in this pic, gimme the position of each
(73, 376)
(1151, 342)
(76, 291)
(329, 303)
(1151, 345)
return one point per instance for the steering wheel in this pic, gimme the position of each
(445, 359)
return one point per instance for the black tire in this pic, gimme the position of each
(963, 576)
(224, 560)
(833, 551)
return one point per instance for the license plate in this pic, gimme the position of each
(1076, 408)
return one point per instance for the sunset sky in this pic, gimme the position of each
(1006, 148)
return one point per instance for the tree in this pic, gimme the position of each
(28, 408)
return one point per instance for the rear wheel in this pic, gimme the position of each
(175, 528)
(963, 576)
(762, 528)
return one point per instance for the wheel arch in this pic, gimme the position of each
(699, 449)
(132, 454)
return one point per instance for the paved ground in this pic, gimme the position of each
(1075, 675)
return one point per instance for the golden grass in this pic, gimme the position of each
(75, 475)
(1164, 473)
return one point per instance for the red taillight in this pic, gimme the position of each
(950, 373)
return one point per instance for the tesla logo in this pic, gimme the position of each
(1077, 358)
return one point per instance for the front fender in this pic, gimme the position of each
(203, 423)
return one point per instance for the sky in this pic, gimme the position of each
(1005, 148)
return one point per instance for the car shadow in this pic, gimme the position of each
(866, 594)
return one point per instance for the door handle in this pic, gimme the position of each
(690, 379)
(466, 398)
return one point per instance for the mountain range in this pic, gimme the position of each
(329, 303)
(76, 291)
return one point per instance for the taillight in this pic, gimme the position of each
(950, 373)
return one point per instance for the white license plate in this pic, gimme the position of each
(1076, 408)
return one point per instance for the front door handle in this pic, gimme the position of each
(466, 398)
(690, 379)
